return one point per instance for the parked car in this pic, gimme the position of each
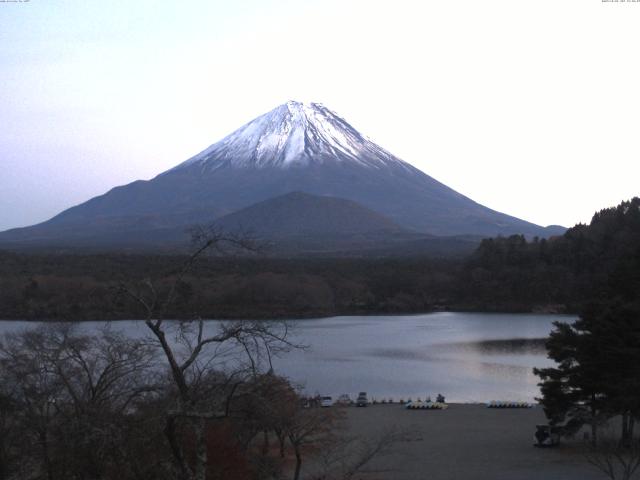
(326, 401)
(344, 399)
(362, 400)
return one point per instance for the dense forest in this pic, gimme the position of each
(595, 378)
(587, 262)
(504, 274)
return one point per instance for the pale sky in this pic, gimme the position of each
(528, 107)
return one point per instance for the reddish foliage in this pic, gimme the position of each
(225, 458)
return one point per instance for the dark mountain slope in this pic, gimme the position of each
(302, 214)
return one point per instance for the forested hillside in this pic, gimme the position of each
(587, 261)
(504, 274)
(86, 287)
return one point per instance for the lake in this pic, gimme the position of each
(468, 357)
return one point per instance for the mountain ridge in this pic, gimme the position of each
(294, 147)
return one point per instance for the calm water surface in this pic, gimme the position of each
(465, 356)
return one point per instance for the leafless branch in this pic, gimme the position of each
(616, 461)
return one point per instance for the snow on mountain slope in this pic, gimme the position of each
(294, 133)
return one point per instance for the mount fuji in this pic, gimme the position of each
(297, 147)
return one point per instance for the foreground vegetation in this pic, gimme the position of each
(106, 406)
(185, 401)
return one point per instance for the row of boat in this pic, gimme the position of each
(503, 404)
(418, 405)
(426, 406)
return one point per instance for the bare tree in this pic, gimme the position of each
(31, 384)
(193, 352)
(346, 456)
(9, 434)
(310, 426)
(72, 396)
(614, 459)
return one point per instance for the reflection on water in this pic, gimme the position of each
(439, 352)
(309, 324)
(465, 356)
(422, 354)
(507, 346)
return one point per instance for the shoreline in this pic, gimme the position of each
(304, 317)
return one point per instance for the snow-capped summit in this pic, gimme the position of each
(295, 133)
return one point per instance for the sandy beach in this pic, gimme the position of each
(467, 442)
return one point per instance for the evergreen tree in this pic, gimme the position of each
(573, 391)
(598, 369)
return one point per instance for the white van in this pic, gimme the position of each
(326, 401)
